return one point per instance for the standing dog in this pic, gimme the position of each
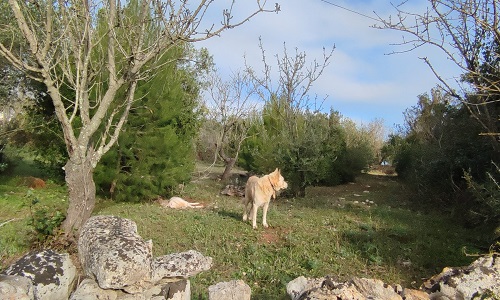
(258, 192)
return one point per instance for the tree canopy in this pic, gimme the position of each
(155, 151)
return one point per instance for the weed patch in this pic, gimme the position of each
(17, 233)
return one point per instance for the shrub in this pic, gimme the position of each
(311, 148)
(155, 151)
(487, 197)
(43, 221)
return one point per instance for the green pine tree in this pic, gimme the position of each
(155, 153)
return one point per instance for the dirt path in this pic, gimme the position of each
(366, 190)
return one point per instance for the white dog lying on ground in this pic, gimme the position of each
(179, 203)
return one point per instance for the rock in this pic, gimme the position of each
(52, 274)
(90, 290)
(398, 289)
(178, 290)
(184, 265)
(375, 289)
(16, 287)
(117, 261)
(232, 290)
(321, 289)
(481, 278)
(327, 289)
(410, 294)
(296, 287)
(125, 296)
(116, 257)
(112, 253)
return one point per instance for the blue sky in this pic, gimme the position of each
(362, 82)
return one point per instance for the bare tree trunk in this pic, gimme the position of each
(229, 168)
(299, 190)
(81, 188)
(228, 161)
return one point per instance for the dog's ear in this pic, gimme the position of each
(277, 174)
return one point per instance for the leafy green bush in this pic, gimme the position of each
(299, 148)
(487, 197)
(311, 148)
(442, 142)
(44, 221)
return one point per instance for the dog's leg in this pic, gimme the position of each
(264, 214)
(253, 215)
(245, 209)
(247, 214)
(250, 211)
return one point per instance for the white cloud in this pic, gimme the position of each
(361, 78)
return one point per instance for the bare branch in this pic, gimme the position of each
(295, 77)
(230, 108)
(467, 32)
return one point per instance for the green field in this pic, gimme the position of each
(334, 231)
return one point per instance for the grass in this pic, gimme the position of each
(334, 231)
(18, 203)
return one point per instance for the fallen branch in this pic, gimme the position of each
(6, 222)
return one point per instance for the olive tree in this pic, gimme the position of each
(87, 53)
(230, 109)
(293, 128)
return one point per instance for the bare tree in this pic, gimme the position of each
(290, 116)
(93, 50)
(230, 111)
(468, 33)
(295, 78)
